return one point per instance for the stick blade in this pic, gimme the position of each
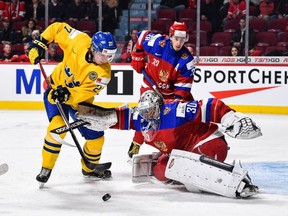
(100, 166)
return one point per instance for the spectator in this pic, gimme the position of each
(192, 4)
(7, 53)
(7, 33)
(266, 8)
(76, 11)
(208, 13)
(237, 8)
(238, 38)
(14, 10)
(28, 29)
(35, 10)
(177, 5)
(223, 10)
(254, 52)
(22, 57)
(2, 7)
(109, 18)
(129, 46)
(56, 11)
(234, 51)
(53, 53)
(282, 9)
(87, 5)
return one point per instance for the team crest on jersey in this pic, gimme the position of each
(166, 110)
(163, 75)
(93, 75)
(161, 145)
(162, 43)
(184, 56)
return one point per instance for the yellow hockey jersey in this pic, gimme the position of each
(83, 79)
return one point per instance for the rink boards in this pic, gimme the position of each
(257, 87)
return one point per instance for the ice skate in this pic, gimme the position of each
(43, 176)
(248, 191)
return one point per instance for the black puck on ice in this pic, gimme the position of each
(106, 197)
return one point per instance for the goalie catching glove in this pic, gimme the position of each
(61, 94)
(36, 50)
(239, 126)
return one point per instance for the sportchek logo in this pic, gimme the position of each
(247, 76)
(232, 78)
(232, 93)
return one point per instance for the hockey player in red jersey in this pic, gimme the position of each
(190, 126)
(170, 66)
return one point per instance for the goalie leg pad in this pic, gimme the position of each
(142, 167)
(201, 173)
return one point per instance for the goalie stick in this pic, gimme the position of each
(98, 167)
(3, 168)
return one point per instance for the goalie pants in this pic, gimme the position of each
(94, 139)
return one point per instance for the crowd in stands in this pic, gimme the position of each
(21, 20)
(223, 24)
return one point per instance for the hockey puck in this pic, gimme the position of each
(106, 197)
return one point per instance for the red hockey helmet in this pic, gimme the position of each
(179, 29)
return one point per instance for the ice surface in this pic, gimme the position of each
(69, 193)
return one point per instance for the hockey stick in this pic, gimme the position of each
(152, 84)
(98, 167)
(3, 168)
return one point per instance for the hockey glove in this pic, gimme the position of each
(138, 61)
(36, 50)
(134, 149)
(61, 94)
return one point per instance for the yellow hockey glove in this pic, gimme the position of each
(36, 50)
(134, 149)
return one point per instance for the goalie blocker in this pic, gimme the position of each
(198, 173)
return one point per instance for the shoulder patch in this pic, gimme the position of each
(93, 75)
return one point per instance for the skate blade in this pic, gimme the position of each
(41, 185)
(94, 178)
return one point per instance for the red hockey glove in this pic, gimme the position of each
(138, 61)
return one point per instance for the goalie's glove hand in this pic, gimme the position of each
(61, 94)
(138, 61)
(134, 149)
(36, 51)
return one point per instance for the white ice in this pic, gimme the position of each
(69, 193)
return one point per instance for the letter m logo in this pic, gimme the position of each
(28, 84)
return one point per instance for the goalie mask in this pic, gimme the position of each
(149, 108)
(104, 43)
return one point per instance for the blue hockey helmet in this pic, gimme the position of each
(104, 43)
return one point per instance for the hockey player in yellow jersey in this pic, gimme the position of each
(83, 73)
